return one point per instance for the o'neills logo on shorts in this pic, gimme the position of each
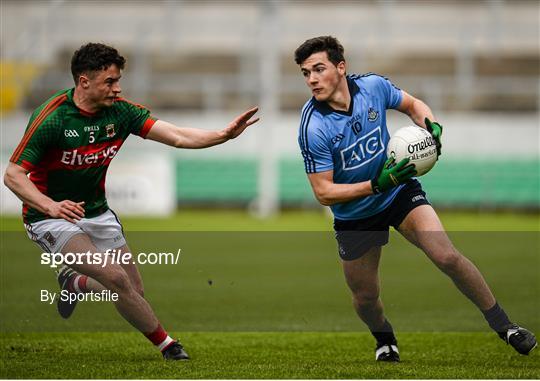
(421, 145)
(74, 158)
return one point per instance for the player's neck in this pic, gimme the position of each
(84, 103)
(341, 99)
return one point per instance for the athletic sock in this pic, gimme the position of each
(497, 318)
(77, 283)
(385, 334)
(160, 338)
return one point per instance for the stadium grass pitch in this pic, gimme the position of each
(275, 355)
(275, 305)
(309, 220)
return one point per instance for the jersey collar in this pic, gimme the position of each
(325, 109)
(81, 111)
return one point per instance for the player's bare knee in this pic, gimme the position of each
(449, 262)
(118, 281)
(137, 286)
(365, 299)
(139, 289)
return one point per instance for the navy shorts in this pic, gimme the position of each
(356, 237)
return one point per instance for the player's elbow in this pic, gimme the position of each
(177, 139)
(323, 197)
(325, 202)
(9, 178)
(12, 176)
(182, 141)
(178, 143)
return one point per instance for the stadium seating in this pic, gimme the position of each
(487, 61)
(196, 58)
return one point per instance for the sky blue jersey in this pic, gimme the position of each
(351, 143)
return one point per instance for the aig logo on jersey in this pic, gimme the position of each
(109, 129)
(364, 150)
(71, 134)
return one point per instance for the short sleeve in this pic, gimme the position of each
(392, 94)
(314, 145)
(37, 140)
(140, 121)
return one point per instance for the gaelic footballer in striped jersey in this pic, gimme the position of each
(67, 150)
(58, 171)
(343, 139)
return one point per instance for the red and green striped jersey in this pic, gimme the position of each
(67, 151)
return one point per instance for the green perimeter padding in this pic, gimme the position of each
(453, 182)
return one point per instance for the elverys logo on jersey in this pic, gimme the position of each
(363, 151)
(74, 158)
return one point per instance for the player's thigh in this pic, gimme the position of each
(107, 234)
(93, 265)
(362, 274)
(132, 271)
(52, 234)
(423, 228)
(105, 231)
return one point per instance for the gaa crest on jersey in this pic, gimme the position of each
(372, 114)
(71, 134)
(109, 129)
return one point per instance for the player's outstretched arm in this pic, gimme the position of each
(186, 137)
(17, 181)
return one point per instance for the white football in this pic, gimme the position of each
(417, 144)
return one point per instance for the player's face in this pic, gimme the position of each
(104, 86)
(322, 76)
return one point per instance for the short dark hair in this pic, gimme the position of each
(94, 57)
(328, 44)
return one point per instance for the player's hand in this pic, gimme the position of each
(240, 123)
(392, 175)
(435, 129)
(68, 210)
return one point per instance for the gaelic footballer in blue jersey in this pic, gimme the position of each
(343, 137)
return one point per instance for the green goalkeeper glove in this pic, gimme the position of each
(435, 129)
(392, 175)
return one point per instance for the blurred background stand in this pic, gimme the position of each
(476, 63)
